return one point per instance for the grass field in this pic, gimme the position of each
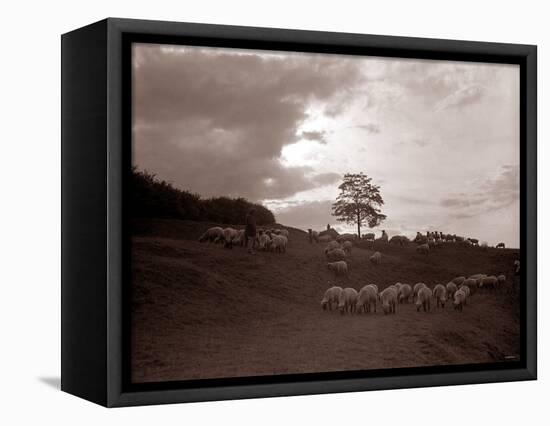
(202, 311)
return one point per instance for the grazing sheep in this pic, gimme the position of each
(397, 288)
(239, 238)
(332, 295)
(347, 247)
(466, 290)
(278, 243)
(472, 285)
(375, 287)
(332, 246)
(346, 237)
(376, 258)
(228, 235)
(424, 298)
(440, 295)
(389, 300)
(458, 280)
(367, 299)
(459, 300)
(405, 293)
(339, 268)
(399, 239)
(500, 245)
(423, 249)
(336, 254)
(473, 241)
(369, 236)
(264, 242)
(489, 282)
(325, 239)
(284, 233)
(212, 235)
(420, 239)
(348, 300)
(501, 280)
(417, 287)
(477, 278)
(451, 289)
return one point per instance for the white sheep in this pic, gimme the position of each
(423, 249)
(451, 289)
(489, 282)
(405, 293)
(284, 233)
(228, 235)
(389, 300)
(239, 238)
(367, 299)
(332, 295)
(336, 254)
(501, 280)
(346, 246)
(417, 287)
(459, 299)
(346, 237)
(212, 234)
(278, 243)
(471, 284)
(333, 245)
(375, 287)
(458, 280)
(440, 295)
(325, 239)
(348, 300)
(466, 290)
(264, 241)
(424, 298)
(398, 288)
(339, 268)
(376, 258)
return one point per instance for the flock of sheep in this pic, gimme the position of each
(348, 300)
(274, 240)
(459, 290)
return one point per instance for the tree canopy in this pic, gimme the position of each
(359, 202)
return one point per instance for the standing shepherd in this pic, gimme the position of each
(250, 230)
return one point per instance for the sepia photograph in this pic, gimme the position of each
(295, 213)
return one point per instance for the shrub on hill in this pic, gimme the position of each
(151, 197)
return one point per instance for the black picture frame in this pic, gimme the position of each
(96, 138)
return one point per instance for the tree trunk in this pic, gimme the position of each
(359, 225)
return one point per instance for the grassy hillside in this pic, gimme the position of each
(204, 311)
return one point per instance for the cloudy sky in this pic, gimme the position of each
(440, 138)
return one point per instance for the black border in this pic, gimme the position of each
(121, 33)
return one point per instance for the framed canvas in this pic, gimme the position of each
(255, 212)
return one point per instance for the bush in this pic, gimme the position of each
(151, 197)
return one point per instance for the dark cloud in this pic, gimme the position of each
(215, 121)
(491, 194)
(317, 136)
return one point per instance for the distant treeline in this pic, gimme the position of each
(151, 197)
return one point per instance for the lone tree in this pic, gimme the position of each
(359, 202)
